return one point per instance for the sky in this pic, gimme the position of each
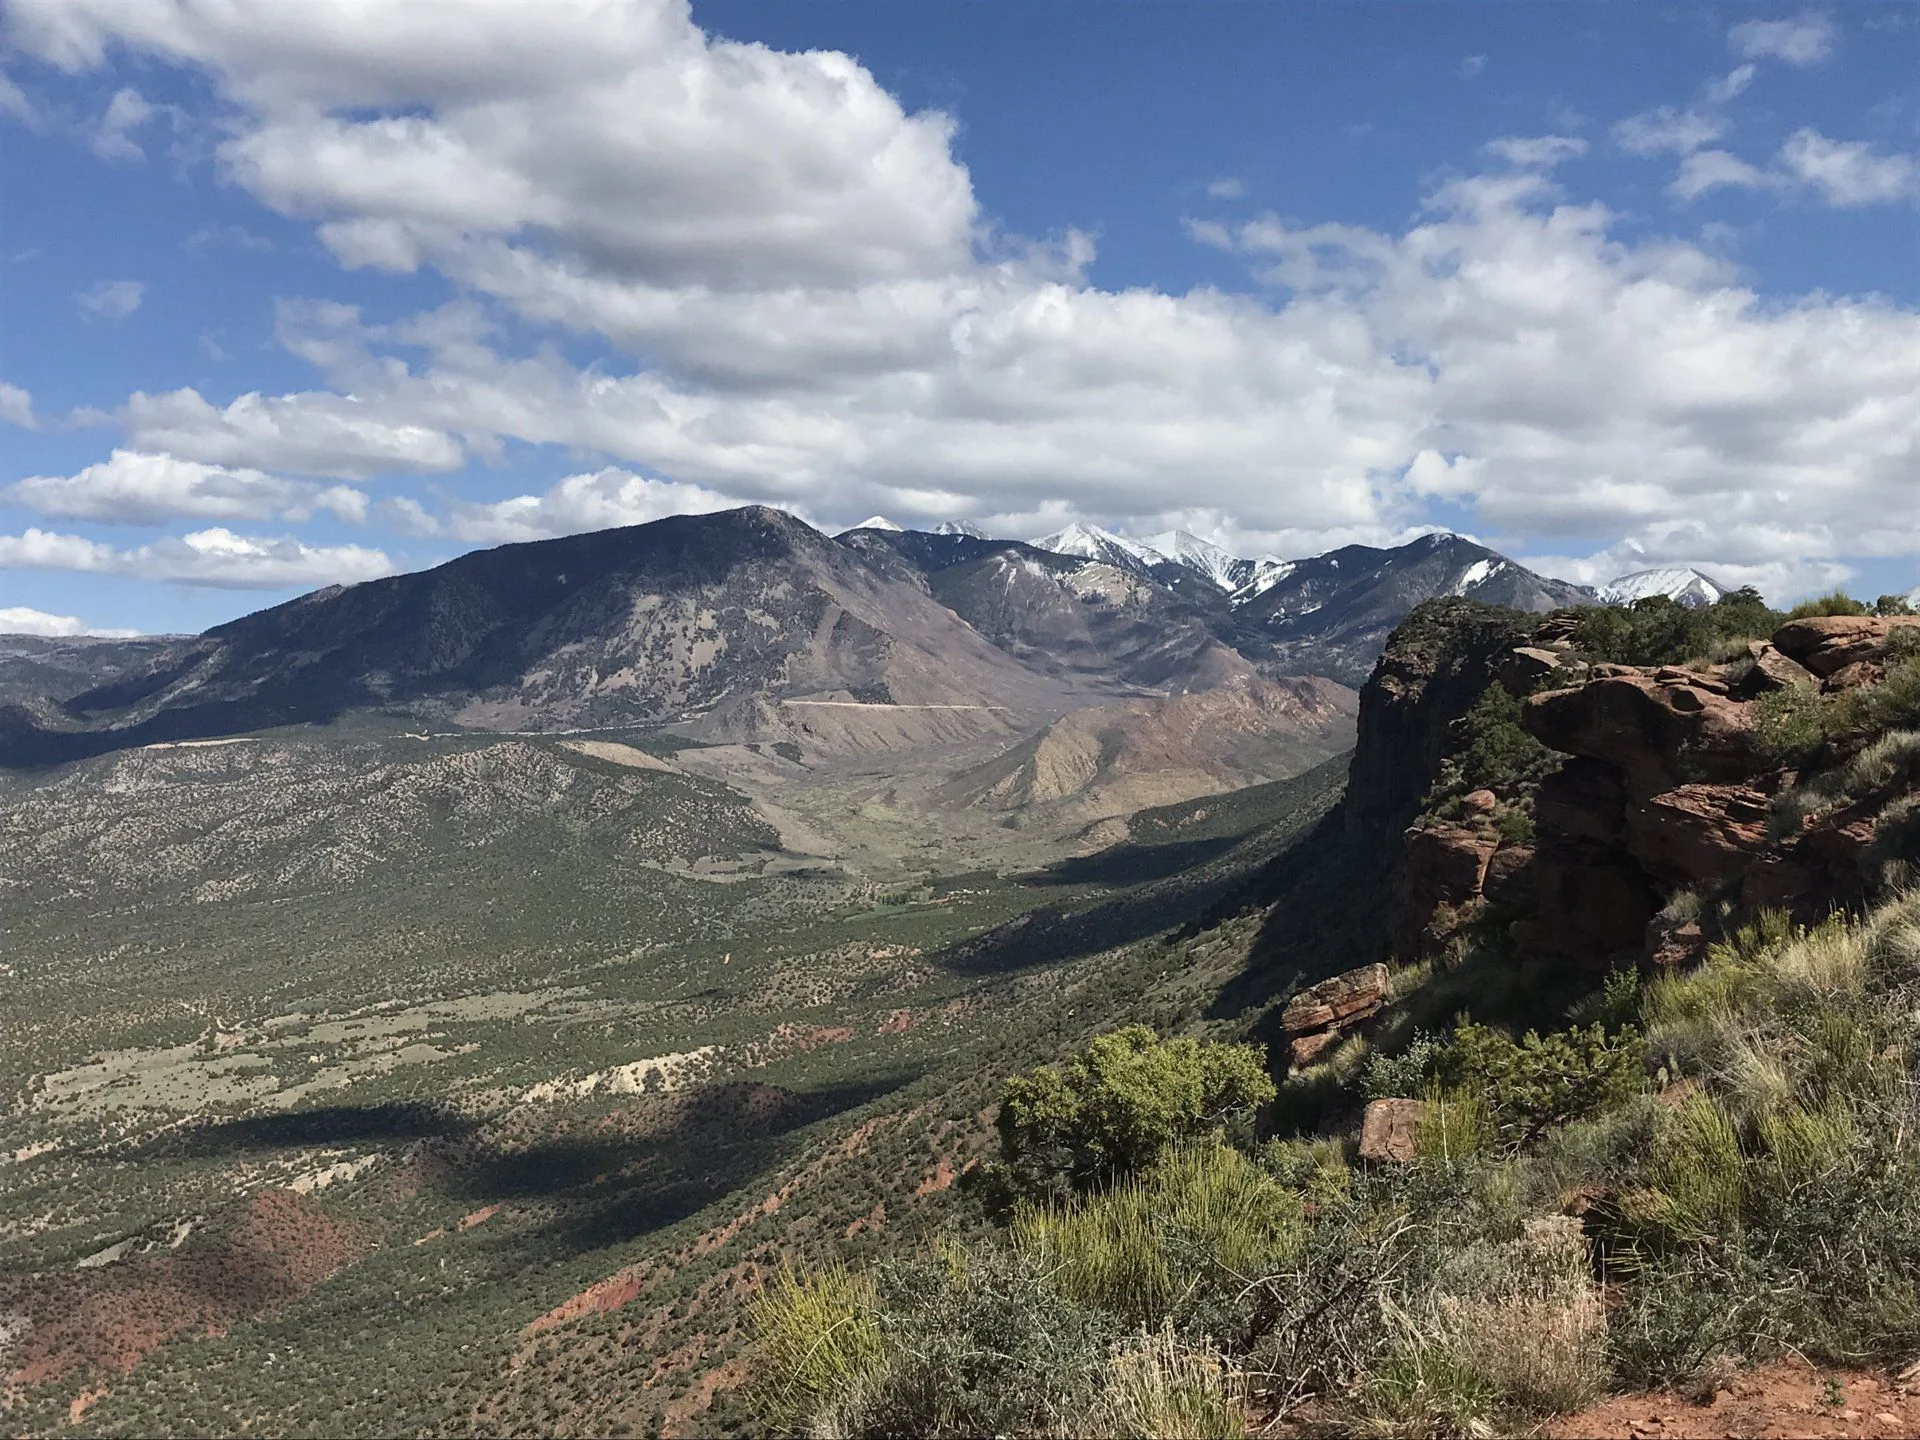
(301, 295)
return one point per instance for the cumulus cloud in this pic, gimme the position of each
(19, 620)
(1804, 40)
(597, 501)
(1603, 390)
(332, 435)
(216, 557)
(14, 102)
(132, 488)
(1668, 130)
(1849, 173)
(815, 315)
(16, 407)
(112, 299)
(1705, 170)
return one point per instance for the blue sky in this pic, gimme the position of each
(298, 297)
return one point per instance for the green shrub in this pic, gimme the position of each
(1892, 605)
(980, 1342)
(1491, 752)
(1176, 1243)
(1120, 1103)
(1406, 1074)
(1696, 1168)
(1545, 1080)
(1660, 631)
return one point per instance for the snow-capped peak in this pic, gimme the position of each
(961, 527)
(1183, 547)
(1676, 582)
(877, 522)
(1090, 542)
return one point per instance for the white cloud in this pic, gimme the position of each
(113, 137)
(1804, 40)
(822, 320)
(1705, 170)
(598, 501)
(19, 620)
(1226, 188)
(310, 435)
(132, 488)
(112, 299)
(1668, 130)
(1540, 152)
(16, 407)
(216, 557)
(1848, 173)
(1604, 390)
(1471, 67)
(618, 132)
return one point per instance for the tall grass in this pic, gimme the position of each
(1180, 1238)
(820, 1344)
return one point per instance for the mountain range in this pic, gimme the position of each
(705, 620)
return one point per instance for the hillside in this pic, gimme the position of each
(1614, 1092)
(644, 624)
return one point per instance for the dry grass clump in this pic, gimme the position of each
(1163, 1387)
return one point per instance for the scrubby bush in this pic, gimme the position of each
(1540, 1080)
(1491, 752)
(1121, 1103)
(1893, 605)
(820, 1344)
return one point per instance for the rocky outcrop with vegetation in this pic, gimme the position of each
(1630, 1101)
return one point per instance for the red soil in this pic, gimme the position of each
(277, 1248)
(1787, 1400)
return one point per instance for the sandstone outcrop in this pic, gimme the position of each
(1827, 644)
(1390, 1130)
(1658, 731)
(1442, 867)
(1319, 1017)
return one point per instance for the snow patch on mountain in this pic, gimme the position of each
(1183, 547)
(961, 527)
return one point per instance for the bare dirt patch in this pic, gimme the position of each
(104, 1321)
(1787, 1400)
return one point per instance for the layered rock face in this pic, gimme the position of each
(1666, 787)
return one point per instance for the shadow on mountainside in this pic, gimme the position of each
(1325, 902)
(599, 1178)
(1196, 879)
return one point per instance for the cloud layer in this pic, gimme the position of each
(802, 304)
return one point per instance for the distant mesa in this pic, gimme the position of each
(1677, 582)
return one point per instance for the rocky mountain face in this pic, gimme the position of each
(643, 624)
(33, 666)
(1331, 614)
(1669, 793)
(1069, 617)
